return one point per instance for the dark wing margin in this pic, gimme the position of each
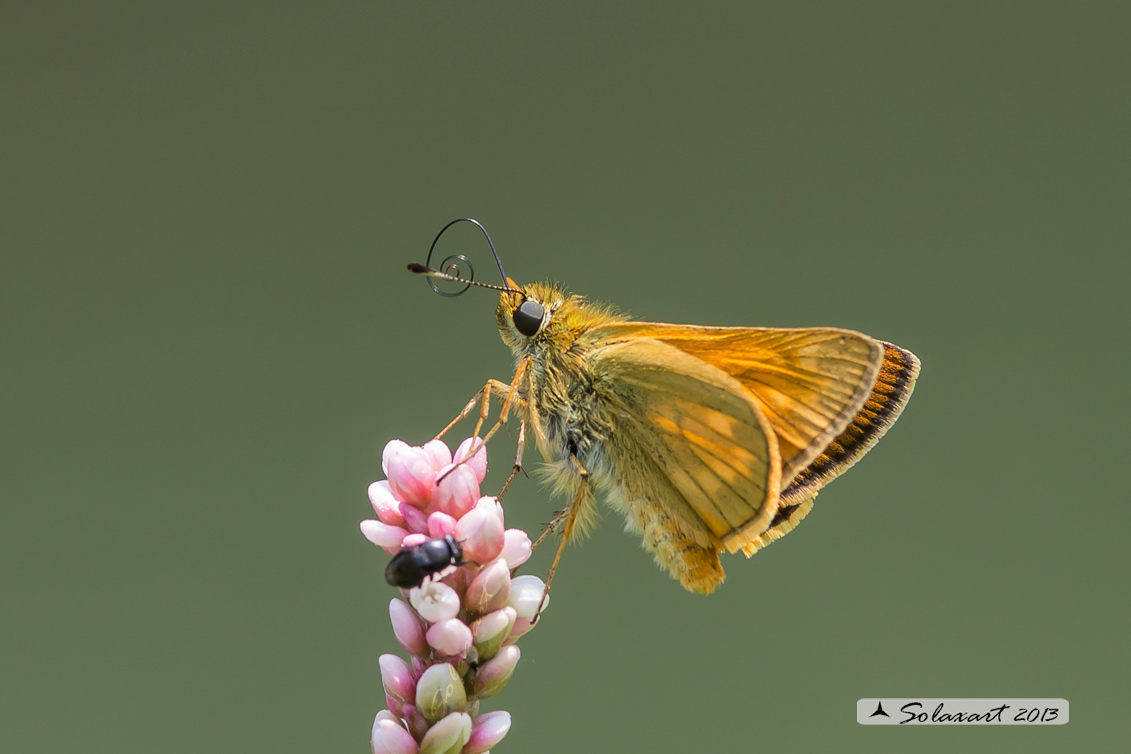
(894, 383)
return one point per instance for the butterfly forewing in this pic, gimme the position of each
(809, 382)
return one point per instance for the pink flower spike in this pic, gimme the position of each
(435, 601)
(438, 453)
(489, 590)
(478, 463)
(383, 535)
(450, 638)
(481, 534)
(487, 731)
(411, 476)
(390, 737)
(407, 628)
(412, 540)
(516, 547)
(440, 525)
(414, 518)
(384, 504)
(457, 492)
(396, 677)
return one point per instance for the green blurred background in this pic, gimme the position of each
(208, 335)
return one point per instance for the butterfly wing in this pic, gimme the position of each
(703, 435)
(809, 382)
(890, 393)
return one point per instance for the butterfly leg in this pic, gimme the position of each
(483, 398)
(517, 458)
(570, 517)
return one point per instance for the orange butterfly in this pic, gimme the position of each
(705, 438)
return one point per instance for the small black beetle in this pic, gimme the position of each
(412, 566)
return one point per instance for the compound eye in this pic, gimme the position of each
(528, 317)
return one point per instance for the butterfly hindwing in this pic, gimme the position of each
(705, 434)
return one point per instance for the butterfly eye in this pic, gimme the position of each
(528, 317)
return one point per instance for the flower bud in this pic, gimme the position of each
(440, 692)
(414, 519)
(434, 601)
(390, 737)
(392, 448)
(490, 631)
(450, 637)
(526, 595)
(457, 492)
(438, 454)
(480, 533)
(448, 736)
(396, 677)
(490, 503)
(522, 626)
(384, 504)
(417, 725)
(487, 730)
(440, 525)
(411, 476)
(516, 547)
(407, 628)
(489, 590)
(414, 539)
(383, 535)
(478, 462)
(492, 677)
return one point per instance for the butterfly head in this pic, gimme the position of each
(530, 313)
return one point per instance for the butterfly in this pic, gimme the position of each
(707, 439)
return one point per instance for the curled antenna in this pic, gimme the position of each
(452, 268)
